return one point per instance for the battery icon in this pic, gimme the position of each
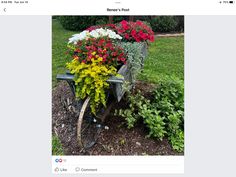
(231, 2)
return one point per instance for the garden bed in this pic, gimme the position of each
(117, 140)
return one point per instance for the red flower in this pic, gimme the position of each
(137, 39)
(124, 24)
(85, 50)
(100, 50)
(114, 53)
(122, 59)
(108, 45)
(126, 36)
(142, 35)
(120, 31)
(139, 23)
(111, 25)
(152, 38)
(101, 42)
(105, 56)
(133, 33)
(121, 55)
(90, 56)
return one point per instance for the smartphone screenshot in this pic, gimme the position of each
(114, 88)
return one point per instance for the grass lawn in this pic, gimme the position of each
(165, 59)
(57, 148)
(59, 47)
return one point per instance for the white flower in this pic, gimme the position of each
(95, 34)
(77, 37)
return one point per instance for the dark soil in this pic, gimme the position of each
(117, 140)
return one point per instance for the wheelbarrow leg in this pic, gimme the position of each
(107, 111)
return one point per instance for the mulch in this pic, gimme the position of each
(117, 140)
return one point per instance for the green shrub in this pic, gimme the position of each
(164, 24)
(169, 100)
(140, 108)
(100, 21)
(163, 115)
(174, 121)
(177, 141)
(142, 18)
(117, 19)
(180, 23)
(153, 120)
(54, 17)
(79, 23)
(170, 95)
(157, 23)
(135, 103)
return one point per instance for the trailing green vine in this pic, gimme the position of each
(90, 80)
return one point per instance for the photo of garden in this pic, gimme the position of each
(118, 85)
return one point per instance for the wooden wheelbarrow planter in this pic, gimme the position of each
(89, 126)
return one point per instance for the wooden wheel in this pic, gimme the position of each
(87, 126)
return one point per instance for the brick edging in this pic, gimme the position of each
(169, 35)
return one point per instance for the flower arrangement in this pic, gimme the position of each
(96, 57)
(135, 31)
(102, 48)
(130, 31)
(98, 52)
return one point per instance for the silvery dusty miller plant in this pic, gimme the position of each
(134, 57)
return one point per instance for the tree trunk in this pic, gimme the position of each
(110, 19)
(131, 18)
